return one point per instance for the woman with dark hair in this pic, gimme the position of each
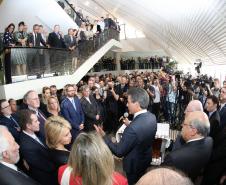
(19, 55)
(8, 39)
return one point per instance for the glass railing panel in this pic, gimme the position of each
(26, 63)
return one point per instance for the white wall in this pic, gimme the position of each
(46, 12)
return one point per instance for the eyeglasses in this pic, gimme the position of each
(184, 124)
(5, 107)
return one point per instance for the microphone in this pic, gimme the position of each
(126, 115)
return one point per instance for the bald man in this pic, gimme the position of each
(194, 105)
(193, 156)
(164, 176)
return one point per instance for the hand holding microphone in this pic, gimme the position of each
(125, 119)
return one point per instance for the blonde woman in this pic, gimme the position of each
(45, 95)
(53, 107)
(57, 132)
(90, 163)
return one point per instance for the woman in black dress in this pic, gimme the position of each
(57, 132)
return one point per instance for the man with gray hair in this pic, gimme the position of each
(9, 156)
(135, 145)
(164, 176)
(193, 156)
(194, 105)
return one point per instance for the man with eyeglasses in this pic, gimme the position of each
(72, 111)
(8, 119)
(194, 155)
(194, 105)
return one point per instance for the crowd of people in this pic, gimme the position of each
(77, 43)
(65, 137)
(153, 62)
(105, 64)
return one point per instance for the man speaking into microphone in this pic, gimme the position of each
(136, 142)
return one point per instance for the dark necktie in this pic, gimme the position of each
(35, 39)
(41, 118)
(14, 121)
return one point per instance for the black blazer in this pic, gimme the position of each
(56, 42)
(222, 113)
(214, 124)
(192, 157)
(39, 40)
(68, 42)
(11, 125)
(9, 176)
(90, 112)
(136, 143)
(58, 157)
(217, 164)
(37, 156)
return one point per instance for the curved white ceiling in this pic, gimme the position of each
(185, 29)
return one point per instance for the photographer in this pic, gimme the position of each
(111, 123)
(215, 90)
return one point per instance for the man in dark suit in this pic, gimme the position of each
(214, 117)
(135, 145)
(70, 40)
(9, 156)
(217, 164)
(90, 109)
(35, 40)
(56, 40)
(194, 105)
(33, 103)
(222, 109)
(72, 111)
(193, 156)
(33, 151)
(9, 120)
(71, 44)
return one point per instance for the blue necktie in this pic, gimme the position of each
(73, 103)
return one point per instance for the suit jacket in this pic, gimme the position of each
(11, 125)
(40, 166)
(217, 164)
(36, 43)
(214, 120)
(90, 111)
(69, 42)
(9, 176)
(41, 119)
(75, 117)
(192, 157)
(136, 143)
(222, 113)
(56, 42)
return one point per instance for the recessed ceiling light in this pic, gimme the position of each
(86, 3)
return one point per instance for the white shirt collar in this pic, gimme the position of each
(8, 116)
(31, 135)
(139, 112)
(70, 98)
(195, 139)
(222, 105)
(12, 166)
